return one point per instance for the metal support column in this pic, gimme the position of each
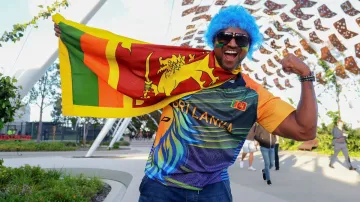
(117, 126)
(109, 123)
(120, 131)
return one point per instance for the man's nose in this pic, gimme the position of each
(232, 43)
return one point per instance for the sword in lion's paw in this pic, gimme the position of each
(148, 83)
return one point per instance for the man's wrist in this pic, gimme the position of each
(308, 76)
(307, 72)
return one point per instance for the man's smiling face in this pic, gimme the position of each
(230, 55)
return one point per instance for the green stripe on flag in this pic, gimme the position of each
(84, 81)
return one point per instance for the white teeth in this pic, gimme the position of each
(230, 52)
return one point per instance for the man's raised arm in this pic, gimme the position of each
(302, 123)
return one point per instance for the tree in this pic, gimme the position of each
(44, 91)
(86, 123)
(335, 117)
(136, 122)
(56, 113)
(18, 29)
(10, 100)
(150, 122)
(57, 116)
(146, 122)
(9, 93)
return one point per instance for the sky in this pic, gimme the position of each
(156, 21)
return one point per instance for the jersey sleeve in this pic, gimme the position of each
(271, 110)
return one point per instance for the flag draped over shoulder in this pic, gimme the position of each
(111, 76)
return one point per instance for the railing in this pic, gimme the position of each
(63, 132)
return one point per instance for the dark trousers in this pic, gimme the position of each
(277, 166)
(151, 190)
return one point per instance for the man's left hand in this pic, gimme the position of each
(292, 64)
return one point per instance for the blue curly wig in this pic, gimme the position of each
(235, 16)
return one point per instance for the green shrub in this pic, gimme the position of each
(33, 146)
(107, 143)
(325, 143)
(288, 144)
(90, 142)
(124, 143)
(116, 145)
(29, 183)
(120, 143)
(70, 144)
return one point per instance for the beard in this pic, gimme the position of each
(228, 68)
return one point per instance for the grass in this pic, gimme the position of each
(30, 184)
(11, 146)
(19, 145)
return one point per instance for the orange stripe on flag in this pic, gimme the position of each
(109, 97)
(95, 57)
(96, 60)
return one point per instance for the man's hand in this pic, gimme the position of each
(57, 30)
(293, 64)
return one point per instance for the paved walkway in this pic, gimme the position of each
(302, 177)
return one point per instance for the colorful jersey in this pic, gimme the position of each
(200, 136)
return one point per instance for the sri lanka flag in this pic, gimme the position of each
(111, 76)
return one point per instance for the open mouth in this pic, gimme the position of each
(230, 55)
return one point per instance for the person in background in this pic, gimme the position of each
(339, 143)
(276, 149)
(132, 135)
(267, 143)
(249, 147)
(140, 135)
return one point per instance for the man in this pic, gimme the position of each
(132, 135)
(249, 147)
(200, 135)
(267, 144)
(276, 150)
(339, 143)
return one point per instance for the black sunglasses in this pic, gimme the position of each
(225, 37)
